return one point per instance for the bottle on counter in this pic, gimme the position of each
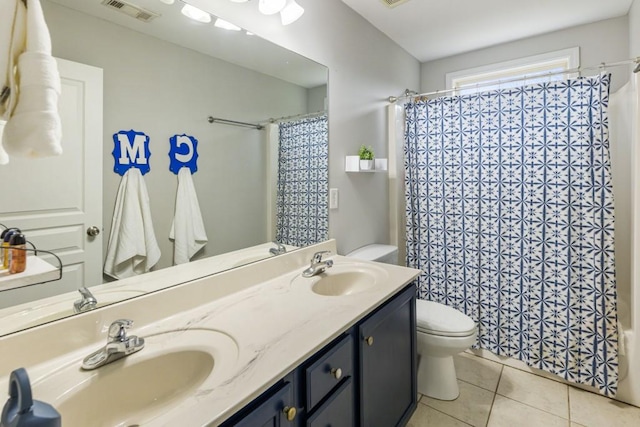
(5, 238)
(17, 253)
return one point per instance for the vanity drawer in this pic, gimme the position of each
(326, 373)
(338, 410)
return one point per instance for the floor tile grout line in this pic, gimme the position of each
(448, 415)
(532, 407)
(479, 386)
(569, 404)
(568, 417)
(495, 392)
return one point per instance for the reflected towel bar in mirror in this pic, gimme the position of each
(234, 123)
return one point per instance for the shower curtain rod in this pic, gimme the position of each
(234, 123)
(410, 93)
(297, 116)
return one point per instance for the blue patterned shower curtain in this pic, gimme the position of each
(303, 182)
(510, 218)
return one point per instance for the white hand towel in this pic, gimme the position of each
(34, 128)
(187, 230)
(133, 248)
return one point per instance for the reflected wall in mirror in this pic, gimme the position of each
(166, 77)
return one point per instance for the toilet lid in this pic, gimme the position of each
(439, 319)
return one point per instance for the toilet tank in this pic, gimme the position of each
(377, 252)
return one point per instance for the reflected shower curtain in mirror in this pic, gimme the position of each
(302, 216)
(510, 218)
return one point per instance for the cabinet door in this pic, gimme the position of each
(387, 347)
(338, 410)
(273, 412)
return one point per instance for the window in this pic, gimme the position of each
(532, 69)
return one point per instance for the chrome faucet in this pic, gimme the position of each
(278, 250)
(317, 265)
(86, 303)
(119, 345)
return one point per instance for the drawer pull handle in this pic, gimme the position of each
(290, 413)
(336, 373)
(369, 340)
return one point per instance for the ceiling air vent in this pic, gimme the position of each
(132, 10)
(393, 3)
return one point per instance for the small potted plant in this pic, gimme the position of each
(366, 157)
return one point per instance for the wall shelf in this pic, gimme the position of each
(38, 271)
(352, 164)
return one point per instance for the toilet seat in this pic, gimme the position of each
(438, 319)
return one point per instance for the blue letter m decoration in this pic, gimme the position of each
(131, 149)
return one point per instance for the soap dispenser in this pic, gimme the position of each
(21, 411)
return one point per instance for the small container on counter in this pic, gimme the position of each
(17, 253)
(5, 238)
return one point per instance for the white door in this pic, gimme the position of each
(55, 200)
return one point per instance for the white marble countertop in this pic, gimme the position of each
(274, 324)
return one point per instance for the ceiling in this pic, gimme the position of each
(433, 29)
(237, 47)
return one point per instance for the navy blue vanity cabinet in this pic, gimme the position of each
(274, 408)
(365, 377)
(387, 361)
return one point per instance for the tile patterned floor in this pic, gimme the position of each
(493, 395)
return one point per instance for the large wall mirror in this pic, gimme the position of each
(166, 77)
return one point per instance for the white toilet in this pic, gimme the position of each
(442, 333)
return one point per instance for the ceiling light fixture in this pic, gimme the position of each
(269, 7)
(221, 23)
(168, 1)
(196, 14)
(239, 1)
(291, 12)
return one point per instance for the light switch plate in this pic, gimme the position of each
(333, 198)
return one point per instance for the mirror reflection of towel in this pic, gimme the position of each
(133, 248)
(187, 230)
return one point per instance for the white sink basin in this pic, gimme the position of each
(172, 368)
(127, 391)
(343, 279)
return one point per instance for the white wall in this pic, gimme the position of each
(634, 29)
(604, 41)
(365, 67)
(163, 89)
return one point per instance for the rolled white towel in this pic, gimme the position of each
(13, 42)
(35, 129)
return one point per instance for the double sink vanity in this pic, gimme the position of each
(257, 345)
